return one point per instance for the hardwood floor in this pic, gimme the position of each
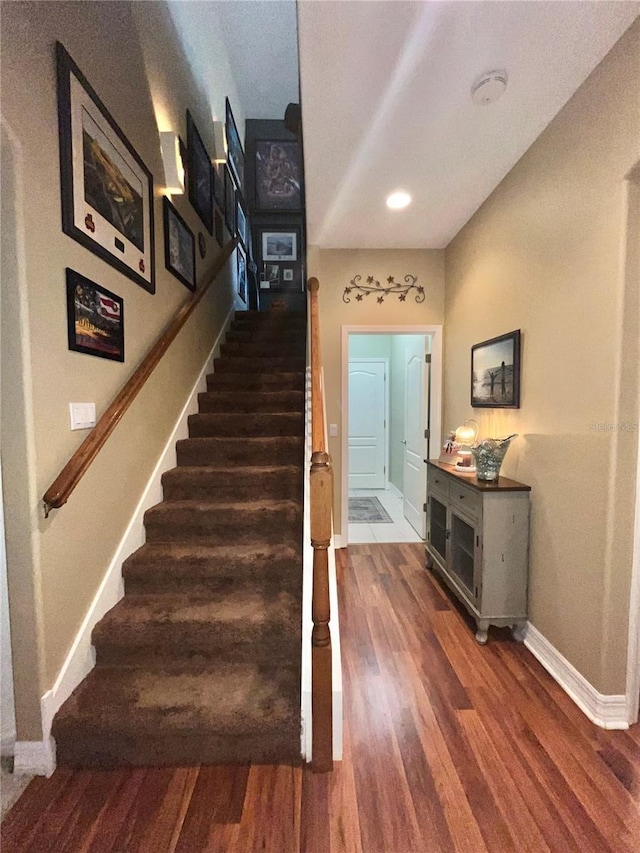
(449, 746)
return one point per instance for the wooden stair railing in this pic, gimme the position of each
(321, 502)
(59, 491)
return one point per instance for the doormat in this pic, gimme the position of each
(368, 511)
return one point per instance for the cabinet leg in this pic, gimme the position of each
(518, 631)
(483, 631)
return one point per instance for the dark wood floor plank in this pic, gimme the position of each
(449, 747)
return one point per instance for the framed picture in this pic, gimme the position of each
(95, 318)
(287, 275)
(235, 154)
(179, 246)
(218, 186)
(199, 175)
(278, 184)
(202, 245)
(229, 202)
(279, 246)
(107, 191)
(495, 372)
(218, 227)
(241, 220)
(241, 261)
(271, 274)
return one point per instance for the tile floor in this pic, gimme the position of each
(399, 531)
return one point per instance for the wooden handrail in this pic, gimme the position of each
(58, 492)
(321, 502)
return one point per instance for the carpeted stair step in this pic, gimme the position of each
(288, 381)
(269, 521)
(227, 713)
(240, 364)
(225, 452)
(251, 402)
(263, 349)
(225, 485)
(243, 625)
(168, 567)
(259, 425)
(273, 337)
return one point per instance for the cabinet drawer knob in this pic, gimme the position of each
(461, 497)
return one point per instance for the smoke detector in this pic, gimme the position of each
(489, 87)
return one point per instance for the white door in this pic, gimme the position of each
(367, 424)
(416, 395)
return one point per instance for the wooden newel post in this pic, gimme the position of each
(321, 488)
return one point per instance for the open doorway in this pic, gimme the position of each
(391, 407)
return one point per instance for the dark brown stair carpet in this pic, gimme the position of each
(200, 661)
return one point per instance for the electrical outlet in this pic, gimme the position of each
(333, 430)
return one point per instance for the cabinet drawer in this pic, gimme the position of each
(465, 500)
(439, 484)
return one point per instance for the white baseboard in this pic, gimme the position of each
(606, 711)
(339, 541)
(395, 491)
(81, 658)
(35, 757)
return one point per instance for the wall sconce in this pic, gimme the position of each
(172, 162)
(466, 436)
(219, 142)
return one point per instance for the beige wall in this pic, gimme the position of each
(334, 269)
(545, 254)
(55, 566)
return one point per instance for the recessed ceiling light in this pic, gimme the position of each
(398, 200)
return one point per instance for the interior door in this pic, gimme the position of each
(416, 395)
(367, 424)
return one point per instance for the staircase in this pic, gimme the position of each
(199, 663)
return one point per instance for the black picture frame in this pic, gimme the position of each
(179, 246)
(218, 186)
(95, 318)
(106, 189)
(235, 152)
(241, 270)
(199, 175)
(229, 202)
(241, 220)
(202, 244)
(495, 372)
(279, 244)
(278, 175)
(218, 227)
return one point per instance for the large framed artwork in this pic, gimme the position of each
(495, 372)
(218, 185)
(235, 154)
(95, 318)
(277, 182)
(199, 175)
(229, 202)
(107, 191)
(179, 246)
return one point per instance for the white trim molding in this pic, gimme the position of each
(606, 711)
(38, 757)
(395, 491)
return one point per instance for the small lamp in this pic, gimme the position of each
(172, 162)
(466, 436)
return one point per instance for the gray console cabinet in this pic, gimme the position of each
(478, 541)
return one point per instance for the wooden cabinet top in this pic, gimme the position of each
(502, 484)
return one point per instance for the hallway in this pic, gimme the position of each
(449, 746)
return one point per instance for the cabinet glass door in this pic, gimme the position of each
(462, 552)
(438, 527)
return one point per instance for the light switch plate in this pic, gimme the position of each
(333, 430)
(82, 415)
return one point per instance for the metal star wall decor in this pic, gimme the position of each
(394, 288)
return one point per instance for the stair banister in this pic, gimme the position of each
(59, 491)
(321, 502)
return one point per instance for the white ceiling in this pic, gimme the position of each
(385, 89)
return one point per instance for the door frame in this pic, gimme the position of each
(385, 360)
(435, 402)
